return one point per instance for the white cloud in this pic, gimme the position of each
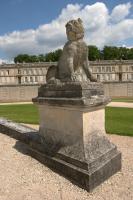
(101, 28)
(3, 61)
(123, 30)
(120, 12)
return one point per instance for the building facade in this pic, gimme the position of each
(20, 82)
(113, 71)
(35, 73)
(25, 73)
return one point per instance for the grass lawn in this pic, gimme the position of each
(25, 113)
(127, 100)
(118, 120)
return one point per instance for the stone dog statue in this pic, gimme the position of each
(73, 63)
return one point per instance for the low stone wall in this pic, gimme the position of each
(21, 93)
(119, 89)
(18, 93)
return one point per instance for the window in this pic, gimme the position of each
(98, 77)
(113, 69)
(99, 69)
(36, 79)
(31, 79)
(108, 77)
(34, 71)
(28, 71)
(19, 80)
(26, 79)
(113, 78)
(103, 69)
(2, 73)
(131, 68)
(40, 71)
(103, 76)
(94, 69)
(7, 72)
(120, 68)
(108, 69)
(127, 69)
(120, 77)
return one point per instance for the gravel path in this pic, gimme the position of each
(112, 104)
(12, 103)
(24, 178)
(120, 104)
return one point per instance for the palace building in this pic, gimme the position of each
(35, 73)
(24, 73)
(113, 70)
(20, 82)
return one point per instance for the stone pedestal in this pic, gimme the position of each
(72, 128)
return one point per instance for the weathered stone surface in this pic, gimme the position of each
(73, 63)
(71, 89)
(87, 176)
(72, 93)
(74, 132)
(78, 133)
(72, 127)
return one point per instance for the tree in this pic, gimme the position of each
(130, 54)
(29, 58)
(110, 53)
(41, 58)
(107, 53)
(57, 54)
(49, 57)
(123, 53)
(53, 56)
(34, 58)
(22, 58)
(94, 53)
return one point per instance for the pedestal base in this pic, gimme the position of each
(80, 173)
(86, 179)
(73, 135)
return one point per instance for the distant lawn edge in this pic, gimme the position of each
(122, 99)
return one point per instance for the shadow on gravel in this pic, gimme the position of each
(22, 148)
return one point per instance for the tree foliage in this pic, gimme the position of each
(94, 53)
(53, 56)
(25, 58)
(107, 53)
(49, 57)
(117, 53)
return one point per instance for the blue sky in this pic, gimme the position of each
(37, 26)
